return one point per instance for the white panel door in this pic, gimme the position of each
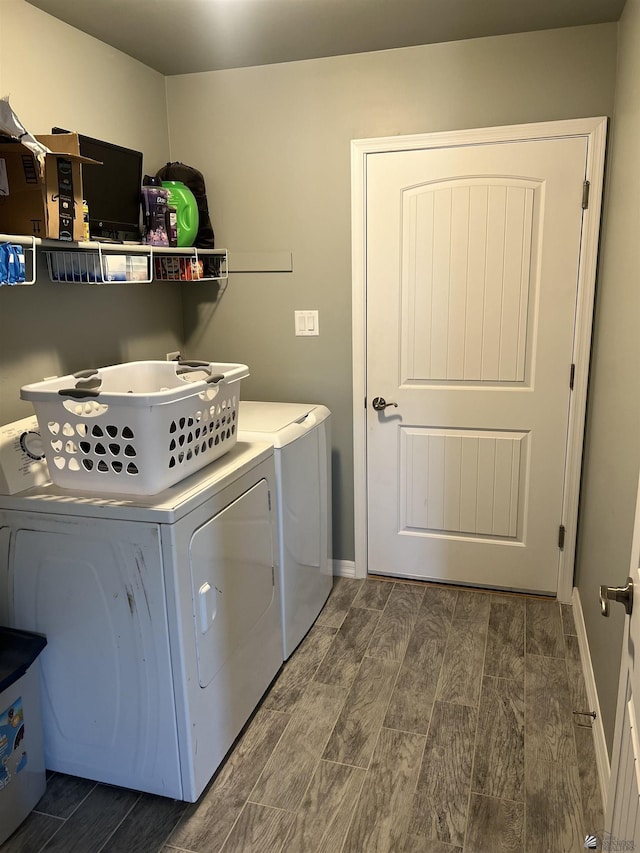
(623, 808)
(472, 259)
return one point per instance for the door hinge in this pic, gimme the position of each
(273, 575)
(365, 404)
(572, 376)
(585, 195)
(561, 533)
(269, 500)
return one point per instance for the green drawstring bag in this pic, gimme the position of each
(194, 180)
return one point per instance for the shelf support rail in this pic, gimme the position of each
(32, 249)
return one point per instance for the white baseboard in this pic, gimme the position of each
(602, 754)
(344, 568)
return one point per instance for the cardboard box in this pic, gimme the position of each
(42, 203)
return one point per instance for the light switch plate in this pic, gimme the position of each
(306, 322)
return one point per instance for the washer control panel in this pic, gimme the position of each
(22, 462)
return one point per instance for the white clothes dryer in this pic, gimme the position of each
(162, 618)
(301, 437)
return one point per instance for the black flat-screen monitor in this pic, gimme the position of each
(112, 191)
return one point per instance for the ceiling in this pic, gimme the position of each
(183, 36)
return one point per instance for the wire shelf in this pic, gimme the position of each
(98, 268)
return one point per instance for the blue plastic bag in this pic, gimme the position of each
(15, 263)
(12, 268)
(4, 264)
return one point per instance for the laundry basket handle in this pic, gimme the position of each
(192, 363)
(79, 393)
(187, 366)
(88, 385)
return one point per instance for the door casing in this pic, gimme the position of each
(595, 129)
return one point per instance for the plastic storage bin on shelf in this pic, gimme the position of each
(139, 427)
(97, 267)
(22, 773)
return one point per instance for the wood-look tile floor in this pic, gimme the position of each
(412, 718)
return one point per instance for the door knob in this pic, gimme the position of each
(623, 594)
(380, 404)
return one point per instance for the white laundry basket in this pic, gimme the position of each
(139, 427)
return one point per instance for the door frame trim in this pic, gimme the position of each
(595, 129)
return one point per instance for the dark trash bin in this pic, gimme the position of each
(22, 773)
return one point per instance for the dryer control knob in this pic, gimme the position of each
(31, 443)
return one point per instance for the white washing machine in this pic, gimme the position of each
(162, 616)
(300, 434)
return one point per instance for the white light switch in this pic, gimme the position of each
(306, 322)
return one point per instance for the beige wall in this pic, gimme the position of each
(273, 143)
(612, 447)
(56, 75)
